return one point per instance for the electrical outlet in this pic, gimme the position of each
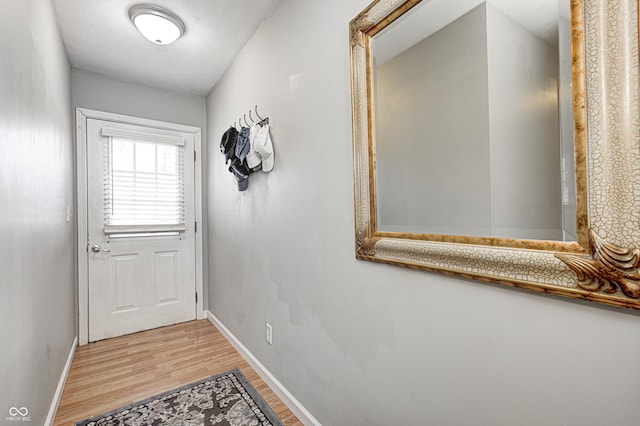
(268, 333)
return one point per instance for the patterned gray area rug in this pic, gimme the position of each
(225, 399)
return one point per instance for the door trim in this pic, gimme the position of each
(82, 115)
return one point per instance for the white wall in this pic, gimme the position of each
(360, 343)
(98, 92)
(36, 188)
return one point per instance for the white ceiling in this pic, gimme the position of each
(99, 37)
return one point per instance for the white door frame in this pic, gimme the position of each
(82, 115)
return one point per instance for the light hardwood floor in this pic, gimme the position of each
(113, 373)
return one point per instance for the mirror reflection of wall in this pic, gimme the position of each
(470, 139)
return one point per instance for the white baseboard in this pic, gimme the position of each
(278, 388)
(53, 409)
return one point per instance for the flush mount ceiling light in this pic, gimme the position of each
(156, 24)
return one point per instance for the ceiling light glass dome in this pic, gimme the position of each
(157, 24)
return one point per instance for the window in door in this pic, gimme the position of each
(143, 187)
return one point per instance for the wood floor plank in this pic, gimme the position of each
(112, 373)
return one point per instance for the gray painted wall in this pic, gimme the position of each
(360, 343)
(467, 138)
(526, 197)
(102, 93)
(433, 151)
(98, 92)
(567, 158)
(36, 187)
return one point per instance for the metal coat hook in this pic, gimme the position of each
(251, 118)
(258, 115)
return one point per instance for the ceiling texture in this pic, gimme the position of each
(99, 37)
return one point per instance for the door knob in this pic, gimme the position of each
(96, 248)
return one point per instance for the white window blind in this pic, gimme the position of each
(143, 185)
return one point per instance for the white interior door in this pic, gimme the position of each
(140, 223)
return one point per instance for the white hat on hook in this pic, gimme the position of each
(264, 147)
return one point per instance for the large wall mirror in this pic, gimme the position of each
(499, 140)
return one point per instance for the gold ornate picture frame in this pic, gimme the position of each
(604, 265)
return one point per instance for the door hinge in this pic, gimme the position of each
(194, 156)
(196, 297)
(195, 228)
